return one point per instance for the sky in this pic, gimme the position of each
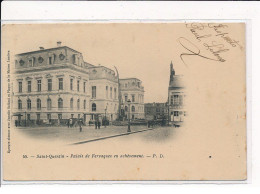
(140, 50)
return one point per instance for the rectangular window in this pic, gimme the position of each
(50, 60)
(60, 83)
(107, 92)
(84, 87)
(94, 92)
(30, 63)
(111, 92)
(38, 116)
(20, 86)
(71, 84)
(171, 100)
(176, 99)
(28, 117)
(115, 93)
(176, 113)
(29, 86)
(133, 98)
(49, 84)
(49, 116)
(126, 98)
(39, 84)
(78, 85)
(72, 115)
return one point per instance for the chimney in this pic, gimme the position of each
(41, 48)
(59, 43)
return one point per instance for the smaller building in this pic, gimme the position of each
(155, 110)
(132, 89)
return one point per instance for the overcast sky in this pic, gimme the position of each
(144, 51)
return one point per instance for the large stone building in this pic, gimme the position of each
(51, 86)
(132, 89)
(104, 93)
(54, 85)
(176, 97)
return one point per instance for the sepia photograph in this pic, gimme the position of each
(124, 101)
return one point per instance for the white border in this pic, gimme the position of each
(158, 11)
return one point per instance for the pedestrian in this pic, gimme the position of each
(99, 124)
(68, 123)
(80, 126)
(96, 124)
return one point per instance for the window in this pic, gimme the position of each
(94, 91)
(84, 87)
(78, 104)
(50, 60)
(111, 92)
(30, 63)
(94, 107)
(39, 85)
(29, 84)
(60, 83)
(20, 106)
(133, 109)
(115, 97)
(71, 84)
(106, 91)
(28, 117)
(171, 100)
(49, 104)
(49, 116)
(29, 104)
(59, 116)
(60, 103)
(176, 113)
(126, 108)
(133, 98)
(72, 115)
(85, 104)
(38, 116)
(176, 99)
(39, 104)
(49, 84)
(78, 85)
(20, 86)
(126, 98)
(71, 103)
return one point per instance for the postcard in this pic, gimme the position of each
(160, 101)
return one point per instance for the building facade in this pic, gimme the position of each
(176, 97)
(132, 89)
(104, 93)
(50, 86)
(155, 110)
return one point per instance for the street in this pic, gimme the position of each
(89, 133)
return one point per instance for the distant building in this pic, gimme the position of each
(155, 110)
(104, 92)
(132, 89)
(176, 97)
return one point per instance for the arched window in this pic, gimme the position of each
(29, 105)
(20, 106)
(71, 103)
(39, 104)
(85, 104)
(49, 104)
(133, 109)
(94, 107)
(60, 103)
(126, 108)
(78, 104)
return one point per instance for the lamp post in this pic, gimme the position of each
(105, 117)
(129, 103)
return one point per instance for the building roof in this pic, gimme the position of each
(50, 49)
(177, 81)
